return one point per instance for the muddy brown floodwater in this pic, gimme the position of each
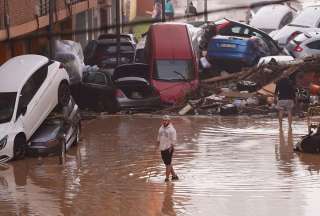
(227, 166)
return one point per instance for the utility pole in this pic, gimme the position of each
(206, 10)
(163, 7)
(51, 28)
(118, 29)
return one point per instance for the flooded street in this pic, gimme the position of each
(227, 166)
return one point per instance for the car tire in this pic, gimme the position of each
(19, 148)
(63, 94)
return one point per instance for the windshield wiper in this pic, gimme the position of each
(296, 25)
(181, 75)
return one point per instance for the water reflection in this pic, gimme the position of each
(229, 166)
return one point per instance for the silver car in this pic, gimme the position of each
(304, 45)
(308, 19)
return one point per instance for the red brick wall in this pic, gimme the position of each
(1, 14)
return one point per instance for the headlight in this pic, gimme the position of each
(3, 142)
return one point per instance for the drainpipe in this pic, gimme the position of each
(7, 25)
(50, 28)
(6, 18)
(206, 10)
(163, 17)
(118, 30)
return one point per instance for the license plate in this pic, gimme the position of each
(228, 45)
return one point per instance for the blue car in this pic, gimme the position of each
(234, 50)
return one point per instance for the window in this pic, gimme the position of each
(286, 20)
(95, 78)
(174, 70)
(31, 87)
(7, 102)
(314, 45)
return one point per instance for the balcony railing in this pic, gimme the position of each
(44, 5)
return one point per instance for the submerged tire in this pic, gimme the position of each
(19, 148)
(63, 94)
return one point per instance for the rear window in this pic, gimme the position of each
(174, 70)
(95, 78)
(103, 49)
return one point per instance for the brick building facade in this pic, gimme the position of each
(22, 20)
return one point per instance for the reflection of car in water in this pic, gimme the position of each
(31, 86)
(57, 133)
(133, 88)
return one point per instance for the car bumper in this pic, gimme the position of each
(150, 103)
(243, 58)
(6, 153)
(43, 151)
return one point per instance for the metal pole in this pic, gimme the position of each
(118, 30)
(163, 3)
(206, 10)
(50, 28)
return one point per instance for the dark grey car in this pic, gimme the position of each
(133, 88)
(58, 133)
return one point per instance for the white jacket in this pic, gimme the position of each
(167, 137)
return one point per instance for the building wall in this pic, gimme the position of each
(143, 6)
(23, 17)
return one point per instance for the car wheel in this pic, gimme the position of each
(63, 94)
(19, 148)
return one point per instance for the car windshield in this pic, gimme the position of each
(174, 70)
(7, 102)
(105, 50)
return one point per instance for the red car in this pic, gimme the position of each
(172, 60)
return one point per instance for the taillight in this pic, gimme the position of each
(119, 94)
(293, 35)
(222, 26)
(298, 48)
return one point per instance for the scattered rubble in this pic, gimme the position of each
(250, 91)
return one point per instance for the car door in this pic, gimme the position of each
(314, 47)
(29, 99)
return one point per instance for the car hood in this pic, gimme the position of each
(47, 132)
(4, 129)
(174, 92)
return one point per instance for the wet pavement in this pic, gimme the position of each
(227, 166)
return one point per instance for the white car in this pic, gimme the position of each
(308, 19)
(281, 16)
(31, 86)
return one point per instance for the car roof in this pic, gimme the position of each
(113, 41)
(259, 20)
(17, 70)
(309, 16)
(172, 41)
